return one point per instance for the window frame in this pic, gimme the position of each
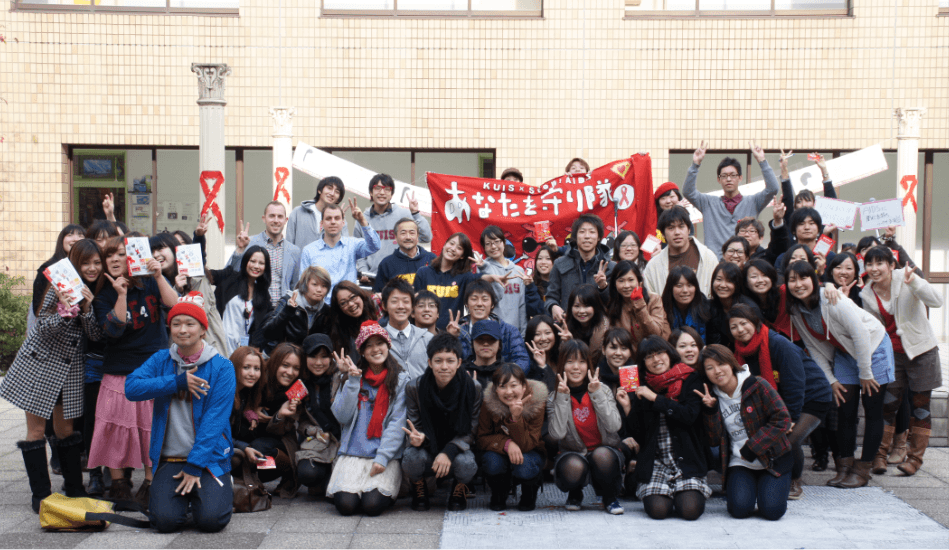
(431, 14)
(20, 6)
(733, 14)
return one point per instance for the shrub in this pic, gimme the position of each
(14, 309)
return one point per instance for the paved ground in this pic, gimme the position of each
(897, 511)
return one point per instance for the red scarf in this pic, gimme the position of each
(669, 382)
(889, 323)
(382, 402)
(758, 344)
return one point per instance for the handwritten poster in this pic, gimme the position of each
(843, 214)
(881, 214)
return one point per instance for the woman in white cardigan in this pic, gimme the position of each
(855, 353)
(899, 298)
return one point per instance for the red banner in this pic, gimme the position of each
(463, 204)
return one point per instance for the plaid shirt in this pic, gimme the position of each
(276, 267)
(766, 421)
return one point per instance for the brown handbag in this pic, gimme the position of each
(250, 495)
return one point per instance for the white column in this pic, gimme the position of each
(211, 102)
(907, 166)
(283, 155)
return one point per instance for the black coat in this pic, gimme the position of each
(289, 324)
(716, 328)
(689, 441)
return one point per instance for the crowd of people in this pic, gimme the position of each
(366, 367)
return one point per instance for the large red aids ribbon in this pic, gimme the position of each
(908, 183)
(210, 195)
(281, 174)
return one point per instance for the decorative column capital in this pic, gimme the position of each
(282, 121)
(909, 122)
(211, 77)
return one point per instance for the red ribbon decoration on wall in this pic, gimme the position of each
(210, 195)
(909, 183)
(281, 174)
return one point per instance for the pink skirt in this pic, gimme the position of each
(123, 428)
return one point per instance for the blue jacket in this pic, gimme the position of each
(156, 379)
(398, 264)
(346, 410)
(799, 378)
(513, 349)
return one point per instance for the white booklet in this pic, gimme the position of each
(64, 276)
(138, 252)
(189, 261)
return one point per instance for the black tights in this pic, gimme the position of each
(312, 474)
(873, 419)
(805, 424)
(373, 503)
(602, 466)
(689, 504)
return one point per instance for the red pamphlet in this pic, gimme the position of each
(297, 391)
(629, 378)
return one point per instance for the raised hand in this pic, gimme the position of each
(121, 285)
(477, 259)
(416, 438)
(181, 280)
(289, 408)
(345, 365)
(699, 153)
(707, 398)
(846, 288)
(454, 323)
(517, 408)
(644, 392)
(623, 399)
(889, 233)
(600, 277)
(757, 151)
(108, 207)
(87, 298)
(832, 293)
(292, 302)
(413, 204)
(540, 356)
(784, 164)
(908, 275)
(780, 209)
(197, 386)
(829, 228)
(822, 164)
(155, 267)
(594, 378)
(62, 297)
(357, 213)
(202, 227)
(563, 331)
(243, 238)
(562, 386)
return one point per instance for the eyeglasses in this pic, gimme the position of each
(347, 302)
(628, 247)
(730, 176)
(735, 252)
(492, 244)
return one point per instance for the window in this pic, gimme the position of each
(434, 8)
(943, 7)
(736, 8)
(171, 7)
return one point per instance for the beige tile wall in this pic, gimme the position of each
(582, 81)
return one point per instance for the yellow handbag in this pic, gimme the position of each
(62, 513)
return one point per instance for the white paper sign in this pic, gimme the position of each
(843, 214)
(64, 276)
(321, 164)
(881, 214)
(137, 253)
(188, 257)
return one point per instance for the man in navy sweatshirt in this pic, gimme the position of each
(407, 259)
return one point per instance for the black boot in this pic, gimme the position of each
(420, 501)
(54, 462)
(70, 457)
(34, 458)
(529, 490)
(500, 488)
(96, 487)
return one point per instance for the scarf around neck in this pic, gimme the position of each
(452, 404)
(382, 401)
(669, 382)
(758, 345)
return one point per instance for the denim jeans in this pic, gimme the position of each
(495, 464)
(745, 487)
(210, 506)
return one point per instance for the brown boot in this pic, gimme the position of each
(120, 489)
(898, 449)
(843, 466)
(918, 441)
(879, 461)
(859, 475)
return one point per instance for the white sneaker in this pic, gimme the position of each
(614, 508)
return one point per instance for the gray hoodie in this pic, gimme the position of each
(303, 225)
(179, 435)
(512, 297)
(730, 406)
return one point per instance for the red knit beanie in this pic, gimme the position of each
(192, 305)
(665, 188)
(370, 329)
